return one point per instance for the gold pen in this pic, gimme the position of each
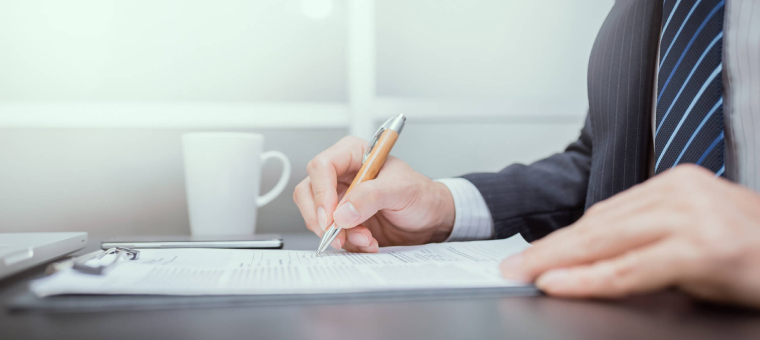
(379, 149)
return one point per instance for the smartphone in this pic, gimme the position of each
(263, 241)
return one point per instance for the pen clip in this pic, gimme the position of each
(373, 142)
(393, 123)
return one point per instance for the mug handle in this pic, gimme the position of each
(284, 177)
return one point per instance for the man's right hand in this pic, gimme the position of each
(399, 207)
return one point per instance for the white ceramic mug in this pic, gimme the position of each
(222, 176)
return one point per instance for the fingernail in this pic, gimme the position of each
(346, 215)
(358, 239)
(335, 244)
(553, 279)
(511, 268)
(322, 218)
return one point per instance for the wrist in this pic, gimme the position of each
(445, 212)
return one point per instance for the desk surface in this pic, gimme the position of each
(668, 315)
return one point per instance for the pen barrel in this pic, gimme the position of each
(376, 158)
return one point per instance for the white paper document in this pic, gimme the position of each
(249, 271)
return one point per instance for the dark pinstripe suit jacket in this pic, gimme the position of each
(612, 152)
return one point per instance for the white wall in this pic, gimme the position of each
(94, 94)
(125, 181)
(170, 51)
(441, 150)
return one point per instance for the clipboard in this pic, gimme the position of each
(30, 303)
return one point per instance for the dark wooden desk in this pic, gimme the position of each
(668, 315)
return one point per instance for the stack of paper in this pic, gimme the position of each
(228, 271)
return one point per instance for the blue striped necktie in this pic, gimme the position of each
(689, 124)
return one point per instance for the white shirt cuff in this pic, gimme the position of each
(473, 219)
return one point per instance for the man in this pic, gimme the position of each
(655, 193)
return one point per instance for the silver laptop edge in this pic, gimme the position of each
(20, 251)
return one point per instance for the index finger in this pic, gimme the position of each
(589, 240)
(337, 162)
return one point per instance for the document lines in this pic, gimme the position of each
(232, 271)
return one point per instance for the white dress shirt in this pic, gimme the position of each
(473, 219)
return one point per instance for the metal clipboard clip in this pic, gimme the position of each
(79, 263)
(121, 253)
(393, 123)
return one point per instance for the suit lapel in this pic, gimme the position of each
(620, 88)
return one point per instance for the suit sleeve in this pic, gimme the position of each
(539, 198)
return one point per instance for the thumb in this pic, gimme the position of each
(363, 201)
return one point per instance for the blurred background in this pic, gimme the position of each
(95, 94)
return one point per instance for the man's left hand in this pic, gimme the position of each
(684, 228)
